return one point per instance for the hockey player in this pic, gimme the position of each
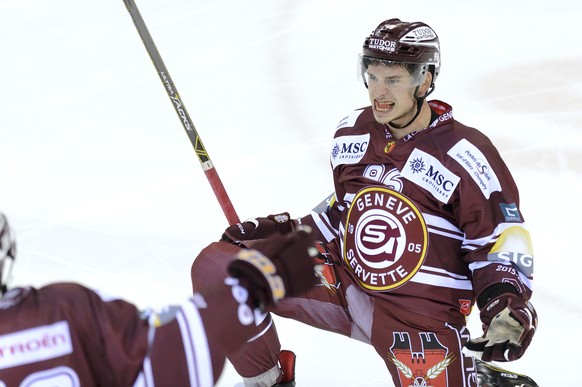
(424, 224)
(67, 335)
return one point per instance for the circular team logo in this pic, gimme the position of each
(385, 240)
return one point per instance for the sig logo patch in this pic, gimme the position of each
(514, 246)
(385, 240)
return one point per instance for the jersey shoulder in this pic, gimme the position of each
(70, 296)
(355, 121)
(67, 292)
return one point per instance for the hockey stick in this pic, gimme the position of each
(180, 109)
(491, 375)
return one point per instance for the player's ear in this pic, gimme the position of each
(425, 85)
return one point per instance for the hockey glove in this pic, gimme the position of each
(258, 228)
(509, 323)
(277, 267)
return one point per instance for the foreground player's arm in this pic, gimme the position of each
(259, 228)
(219, 320)
(323, 220)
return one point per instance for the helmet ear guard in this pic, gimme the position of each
(7, 253)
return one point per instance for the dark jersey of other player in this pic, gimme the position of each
(441, 222)
(68, 335)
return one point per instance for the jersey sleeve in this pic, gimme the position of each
(168, 346)
(497, 245)
(191, 341)
(115, 336)
(323, 219)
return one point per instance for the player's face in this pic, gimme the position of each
(391, 91)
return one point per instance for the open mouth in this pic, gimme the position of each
(381, 106)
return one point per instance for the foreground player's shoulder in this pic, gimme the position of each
(65, 291)
(74, 294)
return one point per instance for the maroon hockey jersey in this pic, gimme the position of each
(428, 221)
(68, 335)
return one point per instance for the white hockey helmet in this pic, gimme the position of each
(7, 253)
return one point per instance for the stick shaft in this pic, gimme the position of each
(180, 108)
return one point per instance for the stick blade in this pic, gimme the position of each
(490, 375)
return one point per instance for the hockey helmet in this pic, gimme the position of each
(7, 252)
(412, 44)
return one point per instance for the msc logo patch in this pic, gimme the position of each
(349, 149)
(429, 173)
(385, 240)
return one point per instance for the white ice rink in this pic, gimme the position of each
(103, 187)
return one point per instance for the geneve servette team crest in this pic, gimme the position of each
(385, 240)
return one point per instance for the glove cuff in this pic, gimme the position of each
(494, 291)
(256, 268)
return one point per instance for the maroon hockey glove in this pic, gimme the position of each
(258, 228)
(277, 267)
(509, 323)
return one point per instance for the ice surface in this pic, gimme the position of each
(103, 187)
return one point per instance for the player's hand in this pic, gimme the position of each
(277, 267)
(509, 323)
(258, 228)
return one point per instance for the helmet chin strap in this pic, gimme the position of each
(419, 101)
